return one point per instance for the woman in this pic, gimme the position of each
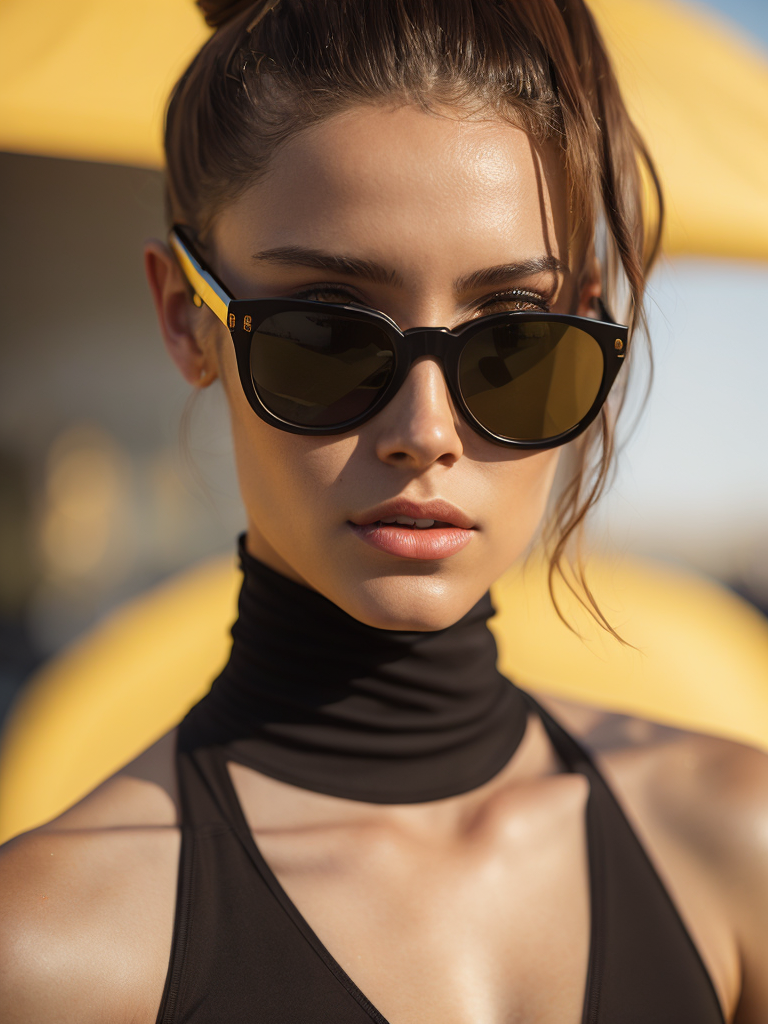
(421, 208)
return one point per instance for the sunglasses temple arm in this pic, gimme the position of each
(206, 288)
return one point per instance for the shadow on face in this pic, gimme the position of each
(434, 219)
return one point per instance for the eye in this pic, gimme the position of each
(325, 293)
(515, 300)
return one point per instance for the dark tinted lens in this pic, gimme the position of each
(530, 381)
(314, 369)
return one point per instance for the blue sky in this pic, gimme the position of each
(750, 15)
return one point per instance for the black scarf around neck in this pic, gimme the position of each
(315, 698)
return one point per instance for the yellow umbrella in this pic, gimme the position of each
(88, 79)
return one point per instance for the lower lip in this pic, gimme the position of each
(410, 542)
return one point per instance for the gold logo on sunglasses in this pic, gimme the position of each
(231, 321)
(618, 344)
(246, 323)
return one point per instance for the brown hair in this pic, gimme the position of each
(275, 67)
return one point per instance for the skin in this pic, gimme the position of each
(88, 900)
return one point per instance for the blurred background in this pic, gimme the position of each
(112, 479)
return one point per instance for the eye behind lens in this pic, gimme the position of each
(532, 381)
(318, 369)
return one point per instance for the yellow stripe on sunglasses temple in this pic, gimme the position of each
(206, 287)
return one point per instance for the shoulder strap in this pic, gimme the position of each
(241, 951)
(643, 963)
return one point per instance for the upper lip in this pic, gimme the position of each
(439, 510)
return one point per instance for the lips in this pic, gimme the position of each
(438, 511)
(422, 530)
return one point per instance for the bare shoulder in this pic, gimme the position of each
(87, 903)
(709, 791)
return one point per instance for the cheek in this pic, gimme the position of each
(286, 480)
(521, 489)
(277, 469)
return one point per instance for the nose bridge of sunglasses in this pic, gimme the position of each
(438, 344)
(428, 341)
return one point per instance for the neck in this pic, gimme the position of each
(313, 697)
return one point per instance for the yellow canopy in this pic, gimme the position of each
(88, 79)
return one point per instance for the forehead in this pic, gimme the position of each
(405, 185)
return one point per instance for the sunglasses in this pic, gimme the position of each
(520, 379)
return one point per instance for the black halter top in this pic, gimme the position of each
(317, 699)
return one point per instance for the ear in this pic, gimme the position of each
(181, 322)
(589, 288)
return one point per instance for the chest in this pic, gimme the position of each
(492, 928)
(555, 916)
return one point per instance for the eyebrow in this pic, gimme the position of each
(491, 276)
(351, 266)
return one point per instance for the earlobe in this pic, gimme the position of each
(176, 314)
(206, 377)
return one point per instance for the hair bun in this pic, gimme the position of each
(219, 12)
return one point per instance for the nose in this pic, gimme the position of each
(419, 426)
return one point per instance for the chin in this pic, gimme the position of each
(409, 602)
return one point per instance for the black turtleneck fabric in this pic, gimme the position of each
(313, 697)
(316, 698)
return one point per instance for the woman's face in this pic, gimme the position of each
(423, 217)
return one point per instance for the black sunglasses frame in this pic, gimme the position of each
(243, 316)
